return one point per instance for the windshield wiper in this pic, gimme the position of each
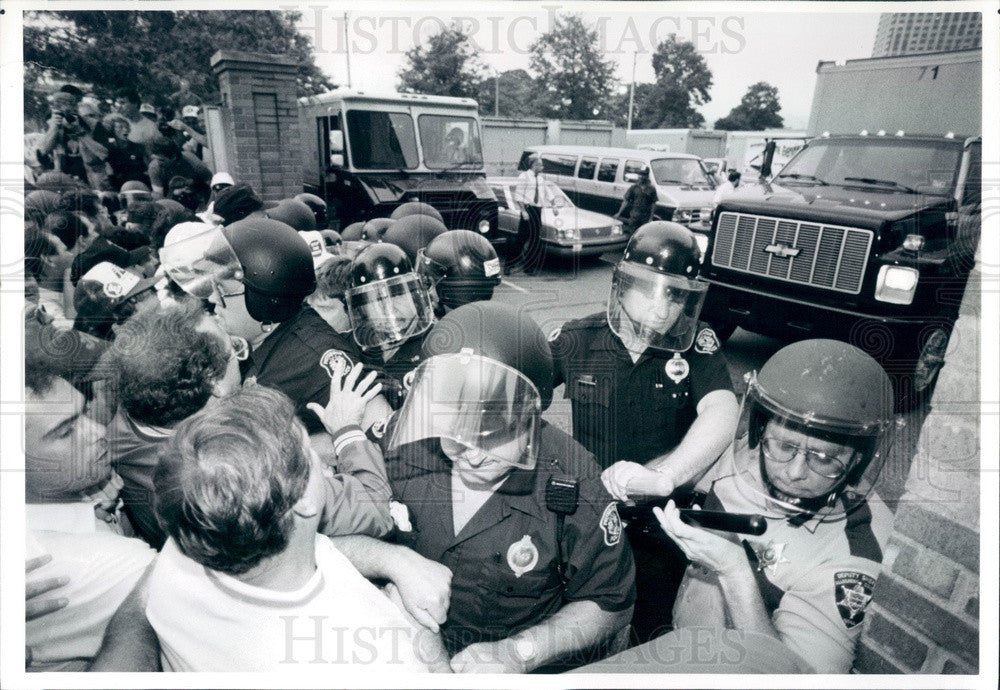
(890, 183)
(801, 176)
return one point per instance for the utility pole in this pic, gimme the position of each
(496, 93)
(631, 93)
(347, 49)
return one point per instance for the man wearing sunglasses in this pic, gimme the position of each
(817, 422)
(651, 395)
(541, 575)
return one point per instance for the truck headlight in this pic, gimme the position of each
(484, 226)
(682, 216)
(702, 242)
(896, 284)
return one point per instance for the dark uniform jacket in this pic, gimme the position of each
(490, 599)
(626, 411)
(297, 358)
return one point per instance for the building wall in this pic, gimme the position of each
(926, 94)
(901, 33)
(504, 139)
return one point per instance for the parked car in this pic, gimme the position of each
(566, 229)
(597, 177)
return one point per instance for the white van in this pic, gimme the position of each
(597, 177)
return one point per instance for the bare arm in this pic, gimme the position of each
(577, 626)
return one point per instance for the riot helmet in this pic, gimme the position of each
(316, 205)
(294, 213)
(413, 208)
(814, 419)
(413, 233)
(656, 295)
(484, 382)
(461, 266)
(387, 301)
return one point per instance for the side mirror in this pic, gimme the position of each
(336, 141)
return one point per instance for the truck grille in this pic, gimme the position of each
(828, 256)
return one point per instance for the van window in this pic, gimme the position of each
(606, 173)
(558, 165)
(587, 168)
(633, 168)
(381, 140)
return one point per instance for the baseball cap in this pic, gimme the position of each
(222, 178)
(189, 111)
(236, 203)
(117, 283)
(317, 245)
(147, 108)
(103, 250)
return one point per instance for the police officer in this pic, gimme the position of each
(257, 272)
(390, 313)
(514, 507)
(459, 266)
(651, 394)
(817, 422)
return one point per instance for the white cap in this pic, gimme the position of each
(189, 111)
(222, 178)
(116, 282)
(317, 245)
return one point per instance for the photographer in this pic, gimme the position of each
(67, 145)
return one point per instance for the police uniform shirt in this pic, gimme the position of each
(626, 411)
(396, 373)
(297, 359)
(506, 561)
(815, 576)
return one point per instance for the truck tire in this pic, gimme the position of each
(917, 366)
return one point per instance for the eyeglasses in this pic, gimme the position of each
(823, 464)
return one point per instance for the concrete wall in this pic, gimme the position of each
(504, 139)
(920, 94)
(924, 615)
(260, 117)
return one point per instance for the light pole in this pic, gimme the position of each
(631, 93)
(496, 92)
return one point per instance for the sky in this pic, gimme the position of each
(740, 48)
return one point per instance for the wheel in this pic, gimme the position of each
(915, 383)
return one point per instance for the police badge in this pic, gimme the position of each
(522, 556)
(677, 368)
(330, 358)
(853, 592)
(706, 342)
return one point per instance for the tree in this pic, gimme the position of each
(517, 94)
(152, 51)
(682, 82)
(757, 110)
(574, 80)
(450, 65)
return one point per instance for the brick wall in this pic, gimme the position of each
(260, 121)
(924, 615)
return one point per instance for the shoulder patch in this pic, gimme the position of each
(554, 334)
(852, 592)
(706, 342)
(328, 360)
(611, 525)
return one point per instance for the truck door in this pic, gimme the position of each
(332, 160)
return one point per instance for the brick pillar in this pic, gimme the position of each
(924, 615)
(260, 120)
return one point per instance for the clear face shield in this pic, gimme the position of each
(204, 265)
(794, 461)
(387, 313)
(652, 309)
(476, 402)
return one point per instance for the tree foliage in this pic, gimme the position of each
(757, 110)
(152, 51)
(574, 80)
(449, 65)
(683, 81)
(518, 95)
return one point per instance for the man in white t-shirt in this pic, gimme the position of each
(244, 582)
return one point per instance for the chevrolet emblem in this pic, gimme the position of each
(782, 250)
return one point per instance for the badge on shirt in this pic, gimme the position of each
(330, 358)
(706, 342)
(522, 555)
(677, 368)
(853, 591)
(770, 556)
(408, 380)
(611, 525)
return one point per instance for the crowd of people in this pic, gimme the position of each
(255, 443)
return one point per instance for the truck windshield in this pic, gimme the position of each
(683, 171)
(450, 141)
(915, 166)
(381, 140)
